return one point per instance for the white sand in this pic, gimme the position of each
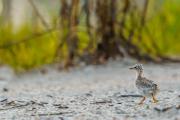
(88, 93)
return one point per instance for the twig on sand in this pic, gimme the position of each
(3, 100)
(38, 103)
(163, 109)
(13, 107)
(102, 102)
(60, 106)
(131, 96)
(51, 114)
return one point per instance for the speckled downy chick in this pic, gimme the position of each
(146, 87)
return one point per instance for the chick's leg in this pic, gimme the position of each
(142, 101)
(154, 99)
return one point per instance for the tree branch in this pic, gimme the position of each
(33, 36)
(43, 21)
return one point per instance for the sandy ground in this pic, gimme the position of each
(88, 93)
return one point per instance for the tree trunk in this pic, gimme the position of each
(6, 12)
(106, 13)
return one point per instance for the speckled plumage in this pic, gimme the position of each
(146, 87)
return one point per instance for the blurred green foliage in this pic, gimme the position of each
(163, 27)
(28, 54)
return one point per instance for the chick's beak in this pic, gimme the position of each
(131, 68)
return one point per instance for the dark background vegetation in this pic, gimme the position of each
(38, 32)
